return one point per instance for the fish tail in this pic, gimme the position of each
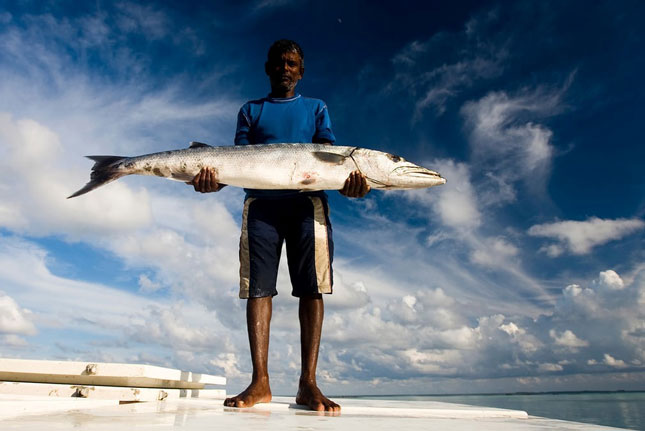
(104, 171)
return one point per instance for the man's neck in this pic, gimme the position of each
(281, 94)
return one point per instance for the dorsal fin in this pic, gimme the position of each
(194, 144)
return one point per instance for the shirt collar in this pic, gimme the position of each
(282, 99)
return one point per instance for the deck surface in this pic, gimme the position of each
(198, 414)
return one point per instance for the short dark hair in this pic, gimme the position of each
(281, 46)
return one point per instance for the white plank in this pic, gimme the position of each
(106, 392)
(106, 374)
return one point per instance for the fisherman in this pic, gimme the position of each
(273, 216)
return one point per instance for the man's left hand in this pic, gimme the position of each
(355, 186)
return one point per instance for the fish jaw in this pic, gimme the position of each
(411, 176)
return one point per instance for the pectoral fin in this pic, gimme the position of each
(327, 157)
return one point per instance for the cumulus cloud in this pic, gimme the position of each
(573, 337)
(613, 362)
(13, 319)
(580, 237)
(567, 339)
(610, 280)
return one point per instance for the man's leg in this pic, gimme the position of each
(258, 322)
(311, 312)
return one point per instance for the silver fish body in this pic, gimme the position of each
(269, 166)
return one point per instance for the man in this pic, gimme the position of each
(273, 216)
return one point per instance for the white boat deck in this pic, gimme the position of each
(54, 395)
(53, 413)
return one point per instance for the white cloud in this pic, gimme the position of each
(33, 162)
(56, 301)
(455, 202)
(549, 367)
(372, 339)
(580, 237)
(14, 341)
(567, 339)
(229, 364)
(610, 280)
(13, 319)
(99, 321)
(74, 113)
(507, 145)
(493, 252)
(613, 362)
(147, 285)
(511, 329)
(585, 324)
(181, 326)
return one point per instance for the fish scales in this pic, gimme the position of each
(269, 166)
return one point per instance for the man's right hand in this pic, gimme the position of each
(206, 181)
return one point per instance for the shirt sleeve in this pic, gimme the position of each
(242, 132)
(323, 126)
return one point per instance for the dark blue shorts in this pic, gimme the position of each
(301, 221)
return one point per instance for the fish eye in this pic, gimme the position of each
(394, 158)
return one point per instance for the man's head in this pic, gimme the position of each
(285, 66)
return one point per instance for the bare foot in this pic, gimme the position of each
(257, 392)
(309, 395)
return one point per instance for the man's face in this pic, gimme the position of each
(284, 72)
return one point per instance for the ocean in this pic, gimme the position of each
(616, 409)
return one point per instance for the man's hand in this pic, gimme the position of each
(206, 181)
(355, 186)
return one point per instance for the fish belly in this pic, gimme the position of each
(303, 173)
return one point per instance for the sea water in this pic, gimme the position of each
(616, 409)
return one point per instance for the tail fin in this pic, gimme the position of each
(103, 171)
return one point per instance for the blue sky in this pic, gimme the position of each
(526, 271)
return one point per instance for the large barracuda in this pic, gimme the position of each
(269, 166)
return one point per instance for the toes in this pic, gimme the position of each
(233, 402)
(332, 407)
(319, 407)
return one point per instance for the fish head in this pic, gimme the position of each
(389, 171)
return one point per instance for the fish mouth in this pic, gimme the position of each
(413, 176)
(416, 171)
